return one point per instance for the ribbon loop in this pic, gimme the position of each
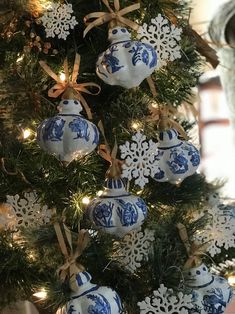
(194, 250)
(105, 152)
(113, 15)
(70, 89)
(70, 268)
(163, 116)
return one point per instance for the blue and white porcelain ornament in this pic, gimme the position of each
(211, 293)
(177, 159)
(117, 211)
(125, 63)
(91, 299)
(68, 135)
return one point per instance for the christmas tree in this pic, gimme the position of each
(98, 175)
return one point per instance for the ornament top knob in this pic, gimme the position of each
(70, 106)
(118, 33)
(82, 278)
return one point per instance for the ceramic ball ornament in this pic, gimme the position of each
(125, 63)
(90, 298)
(211, 293)
(177, 159)
(68, 135)
(116, 211)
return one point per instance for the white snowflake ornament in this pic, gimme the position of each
(28, 210)
(164, 37)
(58, 20)
(163, 301)
(219, 232)
(139, 158)
(135, 248)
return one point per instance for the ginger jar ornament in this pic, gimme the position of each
(211, 293)
(116, 211)
(125, 63)
(68, 135)
(177, 159)
(91, 298)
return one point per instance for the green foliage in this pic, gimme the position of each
(26, 167)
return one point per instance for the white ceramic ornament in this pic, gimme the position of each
(68, 135)
(177, 159)
(116, 211)
(91, 299)
(211, 293)
(125, 63)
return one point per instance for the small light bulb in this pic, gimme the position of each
(41, 294)
(62, 77)
(231, 280)
(99, 193)
(19, 59)
(26, 133)
(85, 200)
(139, 192)
(135, 125)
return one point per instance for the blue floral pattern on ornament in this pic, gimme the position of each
(141, 204)
(214, 304)
(179, 164)
(110, 62)
(71, 310)
(101, 306)
(127, 213)
(96, 135)
(195, 157)
(140, 52)
(79, 126)
(159, 175)
(53, 130)
(102, 215)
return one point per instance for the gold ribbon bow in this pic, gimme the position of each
(194, 250)
(70, 268)
(69, 88)
(105, 152)
(113, 15)
(163, 114)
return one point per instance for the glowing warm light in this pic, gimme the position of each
(62, 77)
(85, 200)
(26, 133)
(139, 192)
(41, 294)
(99, 193)
(19, 59)
(231, 280)
(135, 125)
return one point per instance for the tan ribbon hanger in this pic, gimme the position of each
(105, 152)
(115, 16)
(163, 115)
(70, 268)
(70, 88)
(194, 250)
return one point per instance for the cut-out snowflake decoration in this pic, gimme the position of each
(164, 301)
(140, 161)
(220, 230)
(134, 248)
(164, 37)
(58, 20)
(28, 210)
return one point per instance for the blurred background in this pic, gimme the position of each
(215, 132)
